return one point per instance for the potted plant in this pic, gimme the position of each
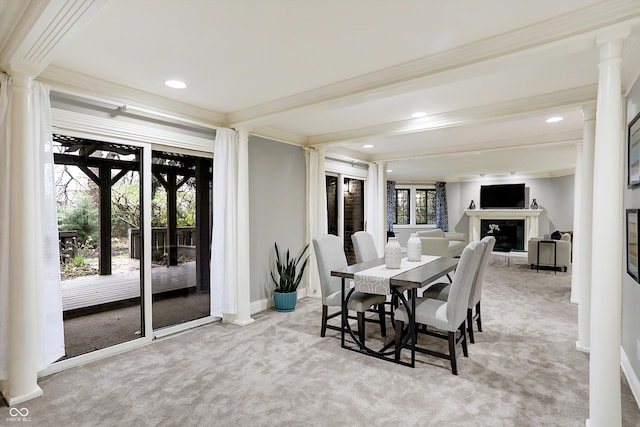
(290, 273)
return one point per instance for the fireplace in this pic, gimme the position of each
(478, 230)
(509, 233)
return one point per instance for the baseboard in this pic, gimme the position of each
(630, 374)
(582, 348)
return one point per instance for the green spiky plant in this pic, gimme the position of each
(288, 273)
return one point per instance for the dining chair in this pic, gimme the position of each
(441, 290)
(364, 246)
(365, 249)
(448, 316)
(330, 256)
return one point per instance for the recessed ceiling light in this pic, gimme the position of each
(367, 146)
(389, 170)
(418, 114)
(175, 84)
(554, 119)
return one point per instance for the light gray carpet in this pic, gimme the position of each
(522, 371)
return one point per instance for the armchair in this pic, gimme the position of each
(562, 248)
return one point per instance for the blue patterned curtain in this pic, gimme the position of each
(442, 213)
(391, 203)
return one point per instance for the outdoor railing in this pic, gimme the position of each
(159, 239)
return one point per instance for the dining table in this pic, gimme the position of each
(395, 282)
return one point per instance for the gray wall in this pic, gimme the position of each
(631, 289)
(277, 192)
(554, 197)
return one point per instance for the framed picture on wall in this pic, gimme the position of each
(633, 152)
(632, 244)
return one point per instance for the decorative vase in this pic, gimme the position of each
(393, 253)
(472, 205)
(414, 248)
(285, 301)
(534, 204)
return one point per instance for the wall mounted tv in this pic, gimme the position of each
(502, 196)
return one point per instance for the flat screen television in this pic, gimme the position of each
(502, 196)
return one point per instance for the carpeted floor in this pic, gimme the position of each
(522, 371)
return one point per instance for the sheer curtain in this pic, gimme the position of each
(317, 211)
(373, 211)
(48, 312)
(224, 273)
(442, 212)
(4, 224)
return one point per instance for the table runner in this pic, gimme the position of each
(375, 280)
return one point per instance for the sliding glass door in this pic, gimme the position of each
(180, 237)
(99, 194)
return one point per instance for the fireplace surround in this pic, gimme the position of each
(529, 216)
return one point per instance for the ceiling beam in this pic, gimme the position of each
(43, 30)
(582, 24)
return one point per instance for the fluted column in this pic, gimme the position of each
(382, 206)
(583, 235)
(243, 316)
(22, 378)
(606, 272)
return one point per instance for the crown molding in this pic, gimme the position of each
(77, 84)
(584, 23)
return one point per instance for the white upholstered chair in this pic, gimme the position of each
(448, 316)
(330, 256)
(562, 249)
(364, 246)
(441, 290)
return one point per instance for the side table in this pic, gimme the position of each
(550, 242)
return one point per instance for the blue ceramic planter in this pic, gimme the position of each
(285, 301)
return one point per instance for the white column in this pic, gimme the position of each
(22, 378)
(575, 246)
(606, 272)
(243, 316)
(382, 206)
(583, 234)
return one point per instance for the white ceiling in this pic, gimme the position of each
(342, 74)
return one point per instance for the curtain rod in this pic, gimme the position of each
(127, 108)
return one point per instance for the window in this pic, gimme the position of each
(425, 206)
(401, 214)
(423, 209)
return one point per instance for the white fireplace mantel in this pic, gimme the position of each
(530, 217)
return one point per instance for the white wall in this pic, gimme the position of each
(630, 288)
(277, 200)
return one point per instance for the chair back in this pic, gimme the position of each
(476, 289)
(330, 256)
(460, 289)
(364, 246)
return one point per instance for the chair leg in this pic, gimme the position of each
(470, 325)
(452, 352)
(323, 328)
(383, 321)
(399, 326)
(465, 350)
(479, 320)
(361, 327)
